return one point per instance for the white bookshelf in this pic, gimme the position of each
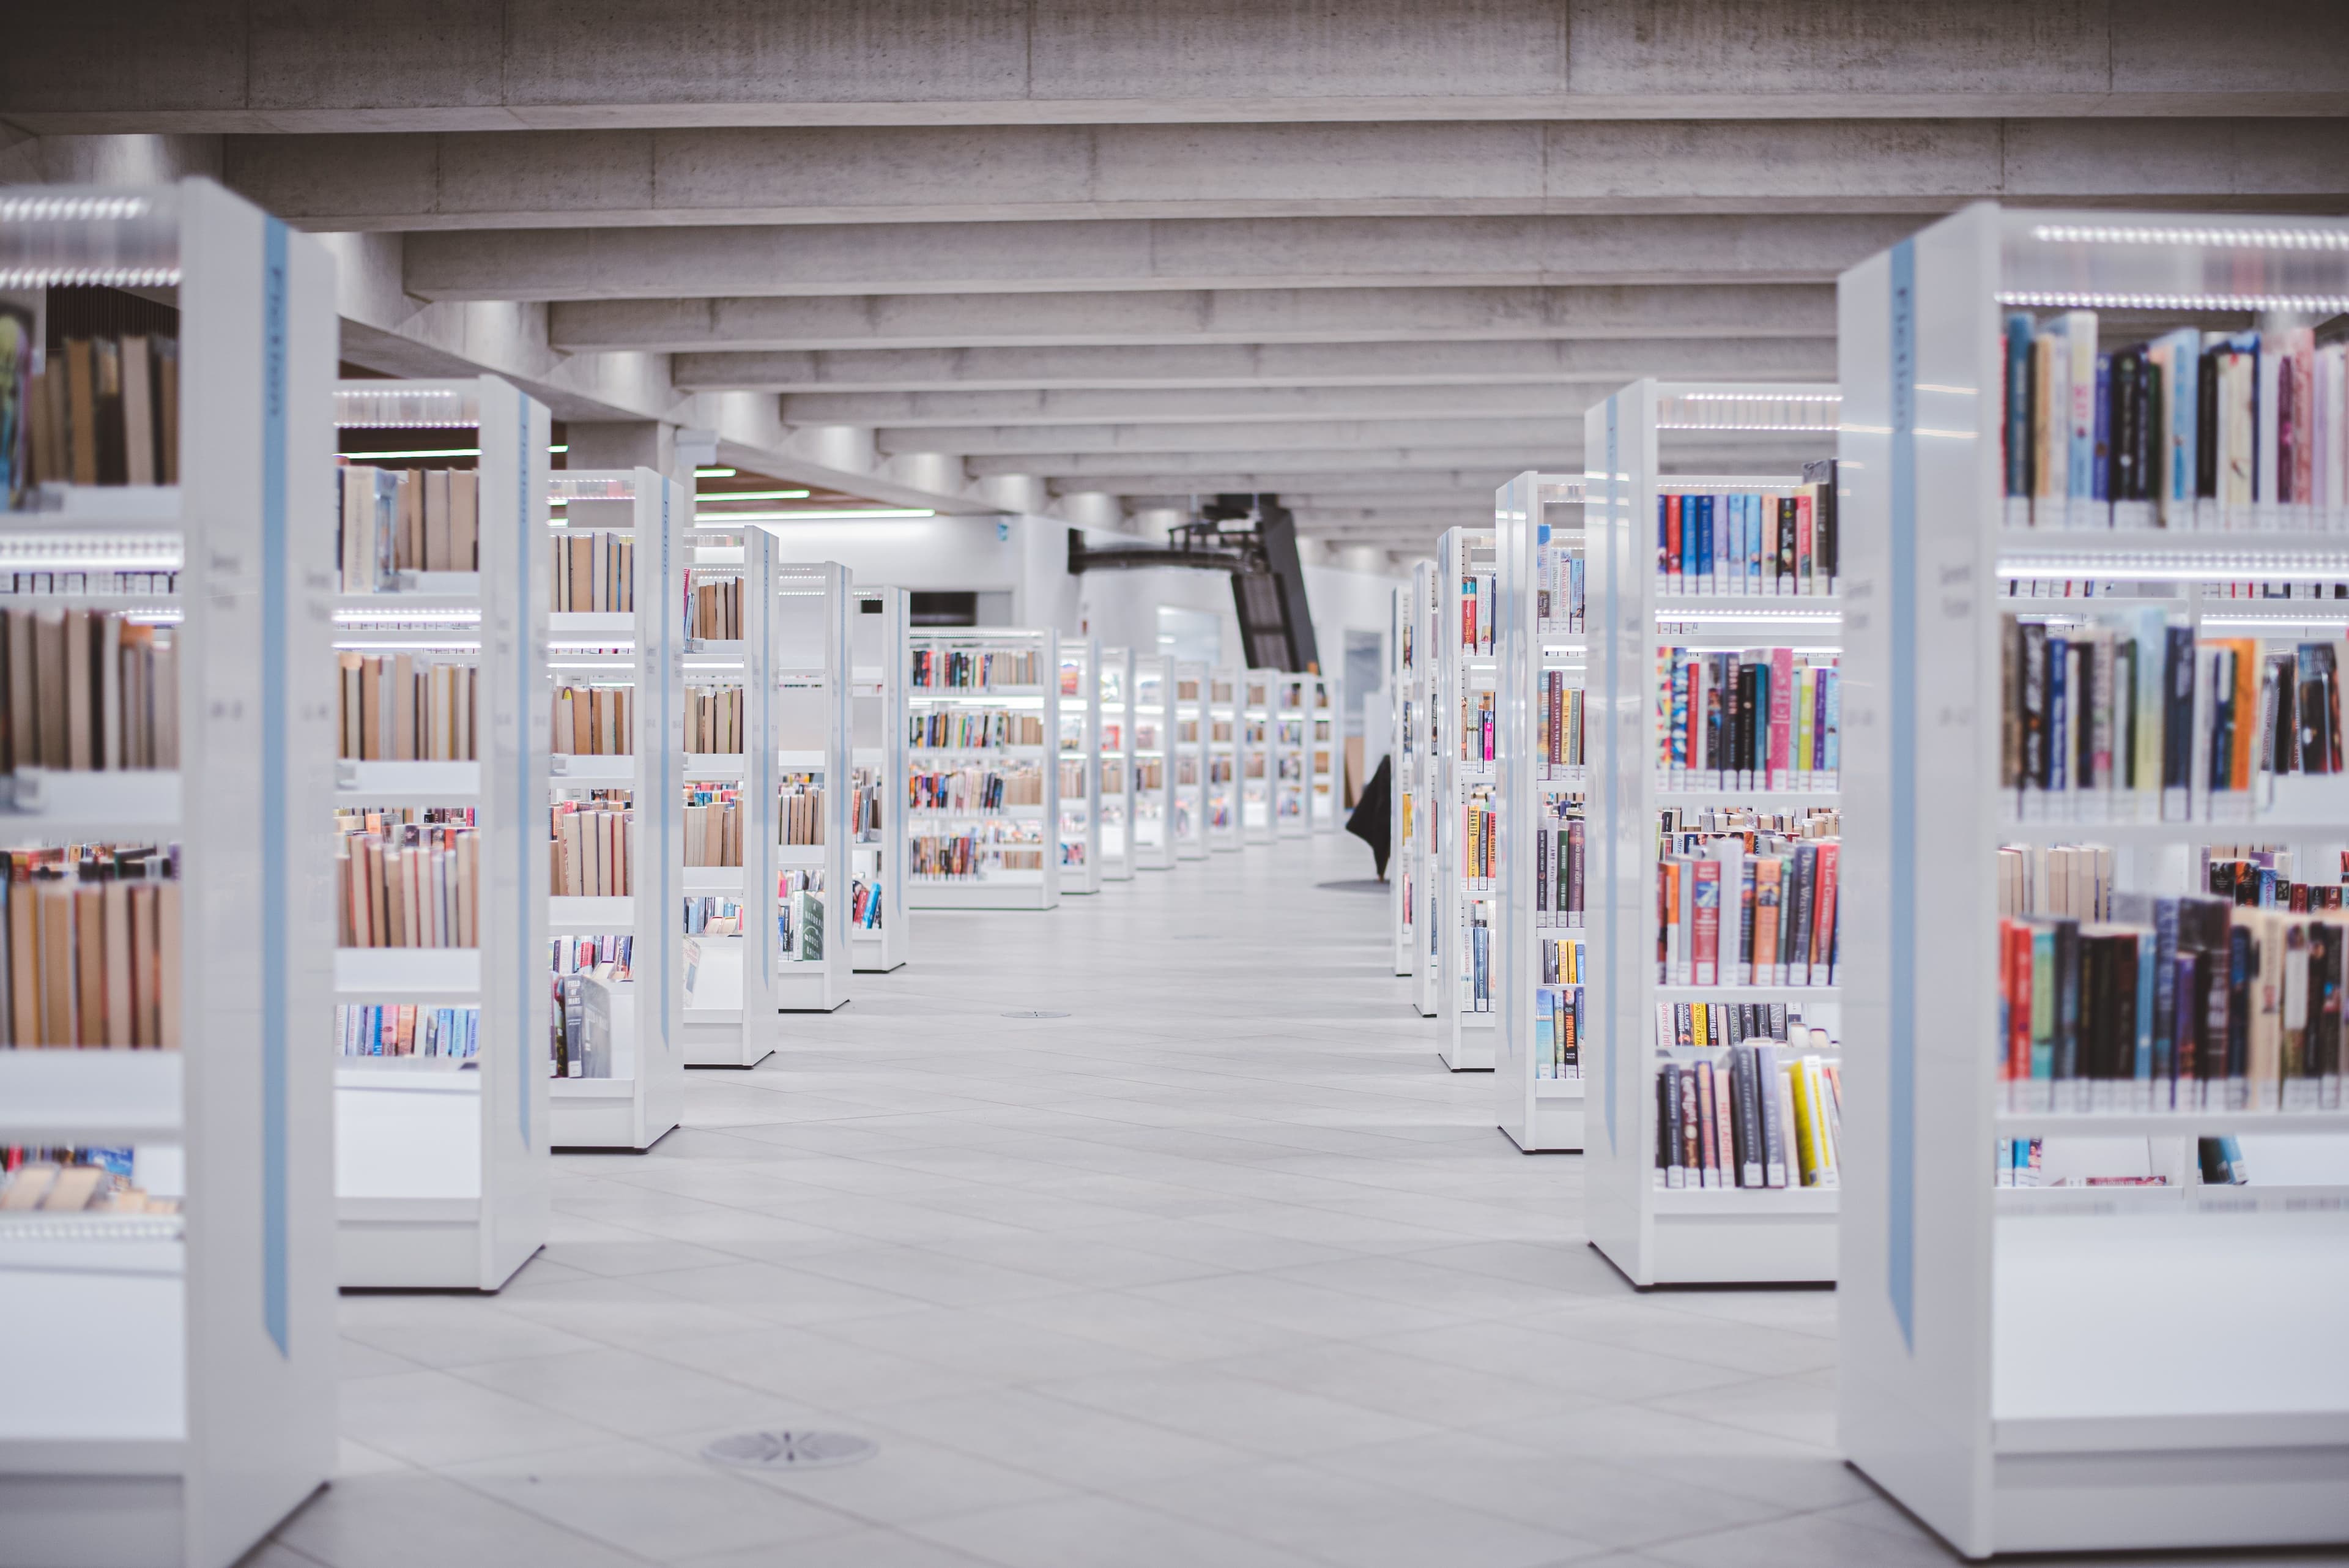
(641, 651)
(1291, 790)
(728, 1017)
(1467, 897)
(1007, 852)
(1153, 762)
(1258, 689)
(1115, 687)
(1190, 760)
(1422, 725)
(2010, 1363)
(1536, 526)
(167, 1382)
(881, 942)
(1079, 765)
(810, 606)
(1325, 756)
(442, 1180)
(1222, 816)
(1685, 1236)
(1401, 649)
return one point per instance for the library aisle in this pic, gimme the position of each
(1221, 1269)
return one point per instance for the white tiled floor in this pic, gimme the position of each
(1223, 1270)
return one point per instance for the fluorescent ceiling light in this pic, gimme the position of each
(713, 473)
(724, 519)
(435, 452)
(751, 494)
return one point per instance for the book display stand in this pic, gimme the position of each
(985, 726)
(2012, 1369)
(1540, 781)
(1327, 796)
(1081, 765)
(167, 1382)
(812, 605)
(442, 1121)
(727, 873)
(615, 680)
(1466, 800)
(1222, 757)
(1190, 760)
(1116, 773)
(1153, 762)
(1291, 716)
(1256, 765)
(1711, 835)
(1425, 818)
(876, 916)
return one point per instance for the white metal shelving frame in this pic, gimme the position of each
(1115, 687)
(1291, 723)
(1258, 689)
(1190, 749)
(643, 649)
(882, 944)
(1326, 754)
(2013, 1372)
(1426, 817)
(727, 994)
(1533, 517)
(1687, 1236)
(1153, 762)
(812, 605)
(1464, 904)
(167, 1387)
(1402, 649)
(1080, 759)
(994, 887)
(442, 1180)
(1222, 816)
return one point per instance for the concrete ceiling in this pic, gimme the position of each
(1098, 258)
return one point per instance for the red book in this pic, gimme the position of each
(1672, 543)
(1467, 612)
(1708, 1116)
(1803, 543)
(1823, 915)
(1706, 957)
(2015, 940)
(1782, 716)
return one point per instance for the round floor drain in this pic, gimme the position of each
(1035, 1013)
(788, 1450)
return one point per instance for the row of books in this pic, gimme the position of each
(798, 811)
(405, 707)
(1559, 865)
(1558, 1019)
(2074, 880)
(865, 807)
(2262, 879)
(2209, 431)
(713, 609)
(1728, 916)
(1748, 544)
(1763, 718)
(1480, 598)
(93, 940)
(799, 916)
(2130, 716)
(1676, 823)
(968, 855)
(75, 1181)
(1558, 724)
(1480, 821)
(1561, 582)
(1477, 975)
(1752, 1120)
(594, 570)
(1149, 773)
(864, 905)
(104, 410)
(407, 1029)
(88, 690)
(2182, 1005)
(711, 914)
(1480, 728)
(390, 521)
(613, 952)
(594, 850)
(581, 1037)
(34, 584)
(713, 719)
(1072, 782)
(713, 828)
(594, 721)
(416, 886)
(961, 670)
(975, 789)
(1710, 1025)
(974, 728)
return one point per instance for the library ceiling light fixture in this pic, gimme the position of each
(2326, 304)
(1754, 396)
(724, 519)
(450, 616)
(88, 276)
(71, 208)
(2309, 239)
(751, 494)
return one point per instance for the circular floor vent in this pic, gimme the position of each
(788, 1450)
(1035, 1013)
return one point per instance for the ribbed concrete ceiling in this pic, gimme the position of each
(1377, 255)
